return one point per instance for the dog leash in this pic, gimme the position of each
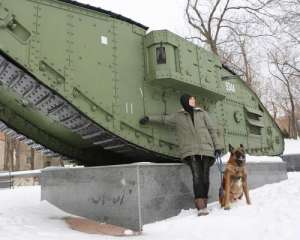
(220, 165)
(221, 170)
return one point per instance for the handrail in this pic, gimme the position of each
(7, 177)
(30, 173)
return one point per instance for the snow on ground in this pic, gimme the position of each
(274, 214)
(256, 159)
(292, 146)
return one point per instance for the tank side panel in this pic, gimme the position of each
(83, 55)
(247, 121)
(69, 49)
(92, 59)
(128, 103)
(10, 43)
(74, 52)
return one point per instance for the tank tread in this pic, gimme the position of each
(55, 107)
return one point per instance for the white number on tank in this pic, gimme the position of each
(104, 40)
(230, 87)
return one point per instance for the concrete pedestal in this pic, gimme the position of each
(136, 194)
(292, 162)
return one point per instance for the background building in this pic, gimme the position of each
(284, 122)
(17, 156)
(2, 145)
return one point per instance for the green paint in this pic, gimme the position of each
(108, 70)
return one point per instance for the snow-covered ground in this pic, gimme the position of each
(256, 159)
(292, 146)
(274, 215)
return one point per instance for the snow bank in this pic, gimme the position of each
(255, 159)
(269, 217)
(274, 214)
(292, 146)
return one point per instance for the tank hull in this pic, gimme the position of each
(85, 76)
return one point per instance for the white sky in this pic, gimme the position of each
(155, 14)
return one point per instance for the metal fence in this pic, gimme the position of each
(7, 178)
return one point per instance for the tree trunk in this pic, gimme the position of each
(17, 149)
(214, 48)
(6, 151)
(9, 154)
(32, 159)
(294, 132)
(293, 122)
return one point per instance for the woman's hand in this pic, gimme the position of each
(144, 120)
(218, 152)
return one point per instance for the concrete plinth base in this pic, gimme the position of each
(137, 194)
(292, 162)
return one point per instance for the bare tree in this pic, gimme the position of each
(230, 29)
(234, 30)
(270, 98)
(288, 17)
(210, 19)
(237, 54)
(284, 69)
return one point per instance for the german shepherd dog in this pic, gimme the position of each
(234, 182)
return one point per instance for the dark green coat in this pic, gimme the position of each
(200, 139)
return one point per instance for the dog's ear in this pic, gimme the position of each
(241, 146)
(231, 148)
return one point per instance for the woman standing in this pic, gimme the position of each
(198, 144)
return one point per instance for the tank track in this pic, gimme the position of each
(55, 107)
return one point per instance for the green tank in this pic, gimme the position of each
(75, 80)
